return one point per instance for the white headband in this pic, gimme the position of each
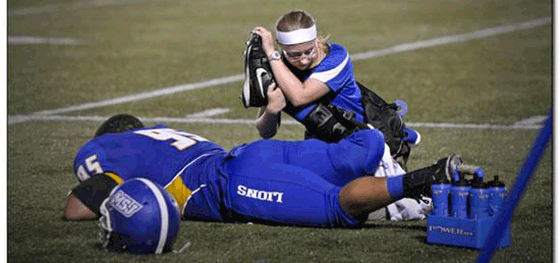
(301, 35)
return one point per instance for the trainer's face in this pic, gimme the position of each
(300, 55)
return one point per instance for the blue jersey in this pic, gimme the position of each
(337, 72)
(279, 182)
(167, 156)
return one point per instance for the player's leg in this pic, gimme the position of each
(339, 163)
(403, 209)
(357, 155)
(284, 194)
(281, 194)
(367, 194)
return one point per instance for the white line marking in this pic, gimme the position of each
(208, 113)
(147, 95)
(453, 38)
(33, 10)
(472, 126)
(188, 244)
(18, 40)
(235, 78)
(358, 56)
(17, 119)
(532, 121)
(73, 6)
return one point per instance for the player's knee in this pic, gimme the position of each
(361, 152)
(364, 195)
(355, 196)
(374, 148)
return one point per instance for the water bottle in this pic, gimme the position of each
(479, 199)
(497, 190)
(440, 197)
(460, 191)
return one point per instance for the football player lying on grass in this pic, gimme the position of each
(302, 183)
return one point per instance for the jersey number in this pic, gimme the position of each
(181, 140)
(92, 166)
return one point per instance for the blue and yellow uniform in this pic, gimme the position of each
(269, 181)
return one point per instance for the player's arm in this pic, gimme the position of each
(84, 201)
(76, 210)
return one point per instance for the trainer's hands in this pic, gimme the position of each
(267, 42)
(276, 99)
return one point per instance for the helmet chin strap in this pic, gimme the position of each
(188, 244)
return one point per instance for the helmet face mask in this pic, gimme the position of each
(108, 239)
(140, 217)
(104, 223)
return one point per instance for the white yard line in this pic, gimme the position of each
(208, 113)
(236, 78)
(358, 56)
(19, 40)
(73, 6)
(146, 95)
(472, 126)
(453, 38)
(535, 120)
(20, 118)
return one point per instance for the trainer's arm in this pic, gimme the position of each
(296, 92)
(268, 118)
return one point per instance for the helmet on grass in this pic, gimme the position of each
(140, 217)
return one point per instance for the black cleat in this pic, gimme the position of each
(420, 182)
(447, 169)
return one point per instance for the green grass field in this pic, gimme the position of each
(134, 47)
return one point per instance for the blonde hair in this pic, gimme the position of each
(298, 19)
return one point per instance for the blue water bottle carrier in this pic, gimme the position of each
(471, 213)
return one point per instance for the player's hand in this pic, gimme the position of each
(267, 42)
(276, 99)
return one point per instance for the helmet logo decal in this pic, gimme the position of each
(125, 204)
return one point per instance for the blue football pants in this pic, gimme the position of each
(298, 182)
